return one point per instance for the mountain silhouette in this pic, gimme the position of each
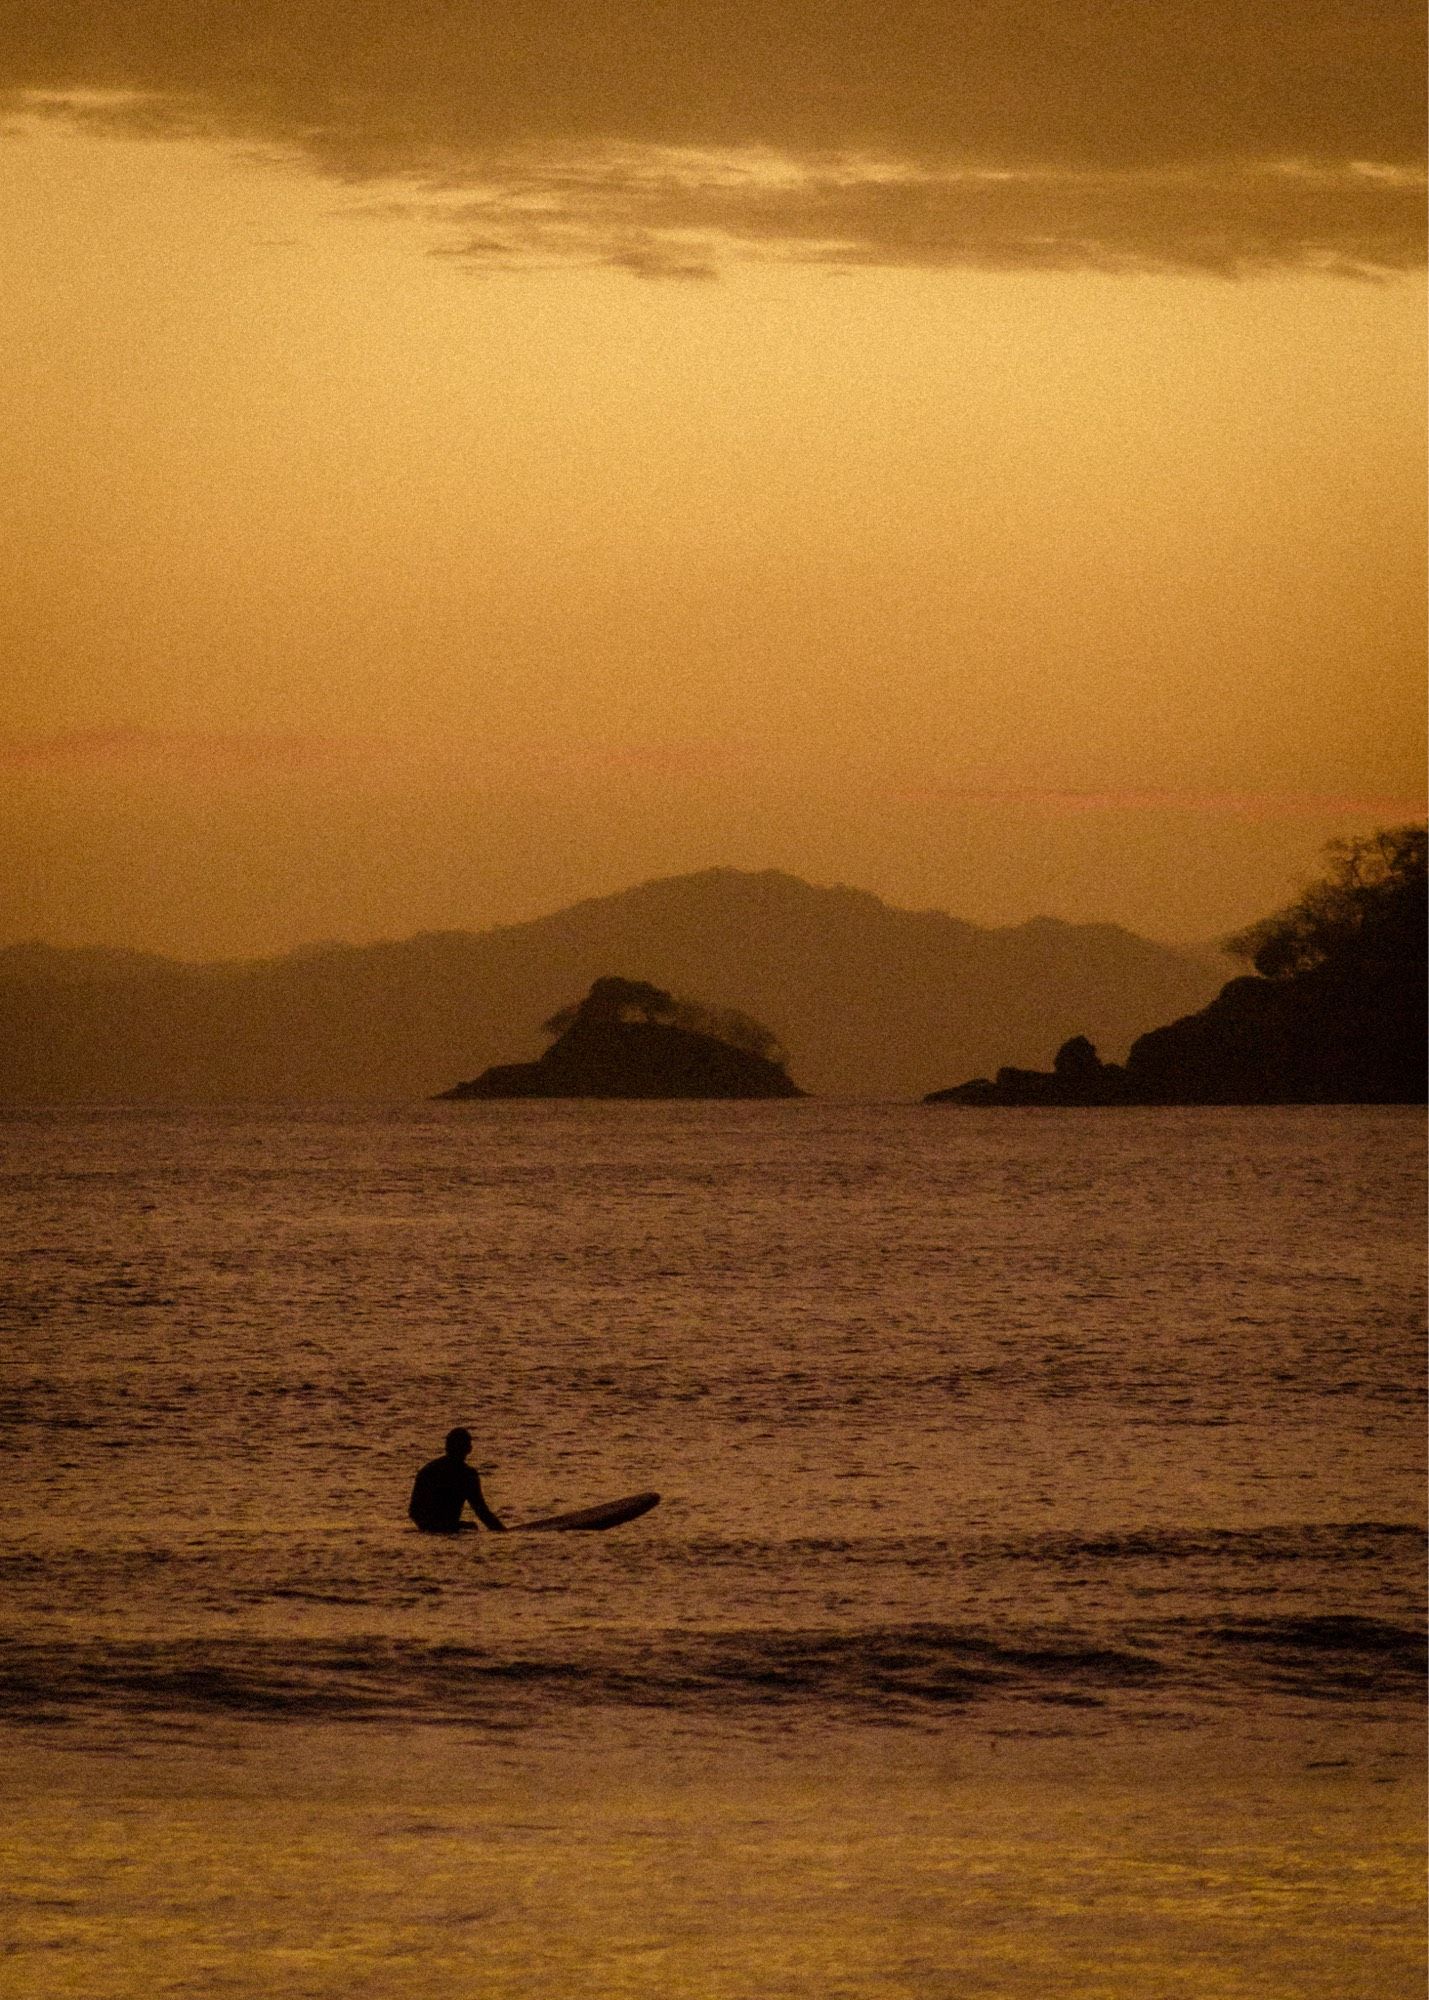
(868, 1000)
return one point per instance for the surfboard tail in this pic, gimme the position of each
(609, 1514)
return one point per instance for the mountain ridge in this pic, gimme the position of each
(870, 1000)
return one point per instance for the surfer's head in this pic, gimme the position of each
(458, 1443)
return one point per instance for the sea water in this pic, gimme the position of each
(1035, 1601)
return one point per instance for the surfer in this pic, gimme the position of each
(443, 1487)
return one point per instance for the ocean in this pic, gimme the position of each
(1035, 1604)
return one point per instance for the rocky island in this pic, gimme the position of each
(1334, 1012)
(630, 1039)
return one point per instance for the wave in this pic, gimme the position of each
(904, 1673)
(1331, 1656)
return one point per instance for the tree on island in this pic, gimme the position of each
(1365, 919)
(612, 999)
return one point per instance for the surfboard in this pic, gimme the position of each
(610, 1514)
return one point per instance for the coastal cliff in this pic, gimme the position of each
(1334, 1014)
(630, 1040)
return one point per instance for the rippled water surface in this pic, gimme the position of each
(991, 1427)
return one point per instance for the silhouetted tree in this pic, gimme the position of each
(729, 1025)
(1367, 917)
(614, 999)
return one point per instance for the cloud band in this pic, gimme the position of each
(666, 139)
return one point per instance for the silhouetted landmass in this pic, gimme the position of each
(1334, 1014)
(631, 1039)
(879, 1002)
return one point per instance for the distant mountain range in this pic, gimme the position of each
(869, 1001)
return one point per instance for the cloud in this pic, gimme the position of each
(658, 218)
(667, 136)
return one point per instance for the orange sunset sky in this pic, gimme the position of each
(457, 460)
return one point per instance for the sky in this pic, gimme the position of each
(457, 461)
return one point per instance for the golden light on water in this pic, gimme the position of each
(1013, 1874)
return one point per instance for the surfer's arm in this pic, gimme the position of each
(479, 1507)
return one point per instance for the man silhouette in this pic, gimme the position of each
(443, 1487)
